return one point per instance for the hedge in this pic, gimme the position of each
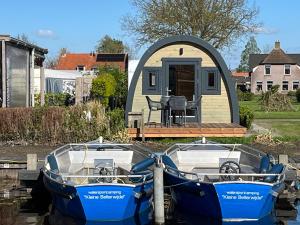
(55, 125)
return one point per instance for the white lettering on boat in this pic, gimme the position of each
(242, 195)
(104, 195)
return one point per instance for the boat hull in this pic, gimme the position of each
(100, 202)
(228, 201)
(245, 201)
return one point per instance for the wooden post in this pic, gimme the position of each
(78, 90)
(31, 161)
(284, 159)
(42, 85)
(31, 81)
(143, 126)
(159, 211)
(4, 75)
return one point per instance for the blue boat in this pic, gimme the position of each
(222, 181)
(99, 181)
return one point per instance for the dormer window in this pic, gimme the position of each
(267, 69)
(287, 69)
(80, 68)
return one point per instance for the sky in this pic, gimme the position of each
(78, 25)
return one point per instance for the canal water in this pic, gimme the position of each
(17, 207)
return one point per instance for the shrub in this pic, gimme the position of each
(55, 99)
(246, 116)
(291, 93)
(298, 95)
(103, 87)
(245, 96)
(122, 84)
(117, 120)
(272, 101)
(57, 125)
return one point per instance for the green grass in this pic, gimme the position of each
(284, 124)
(282, 128)
(259, 114)
(277, 115)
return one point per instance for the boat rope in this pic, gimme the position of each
(84, 165)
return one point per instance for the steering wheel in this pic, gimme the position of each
(229, 167)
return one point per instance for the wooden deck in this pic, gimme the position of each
(190, 130)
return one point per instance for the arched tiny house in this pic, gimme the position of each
(189, 67)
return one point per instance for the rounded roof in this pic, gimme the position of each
(198, 43)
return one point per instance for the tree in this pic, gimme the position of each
(103, 87)
(51, 62)
(250, 48)
(110, 45)
(25, 38)
(121, 89)
(220, 22)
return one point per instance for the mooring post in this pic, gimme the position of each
(284, 159)
(143, 126)
(32, 161)
(159, 211)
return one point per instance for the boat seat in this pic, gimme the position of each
(276, 169)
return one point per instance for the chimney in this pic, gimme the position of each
(277, 44)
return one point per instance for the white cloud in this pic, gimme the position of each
(45, 33)
(265, 30)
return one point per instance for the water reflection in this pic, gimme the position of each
(182, 218)
(56, 218)
(177, 218)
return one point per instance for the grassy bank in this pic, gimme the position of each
(254, 105)
(284, 124)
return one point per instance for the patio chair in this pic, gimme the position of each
(153, 106)
(178, 104)
(194, 105)
(165, 107)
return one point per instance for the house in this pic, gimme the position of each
(184, 66)
(242, 80)
(87, 63)
(18, 61)
(275, 68)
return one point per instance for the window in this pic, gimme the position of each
(267, 69)
(287, 69)
(80, 68)
(285, 85)
(211, 81)
(269, 85)
(295, 85)
(259, 86)
(152, 79)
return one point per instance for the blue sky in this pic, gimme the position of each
(78, 25)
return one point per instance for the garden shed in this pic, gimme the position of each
(185, 89)
(18, 59)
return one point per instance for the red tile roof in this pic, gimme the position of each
(240, 74)
(70, 61)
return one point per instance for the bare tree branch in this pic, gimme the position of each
(220, 22)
